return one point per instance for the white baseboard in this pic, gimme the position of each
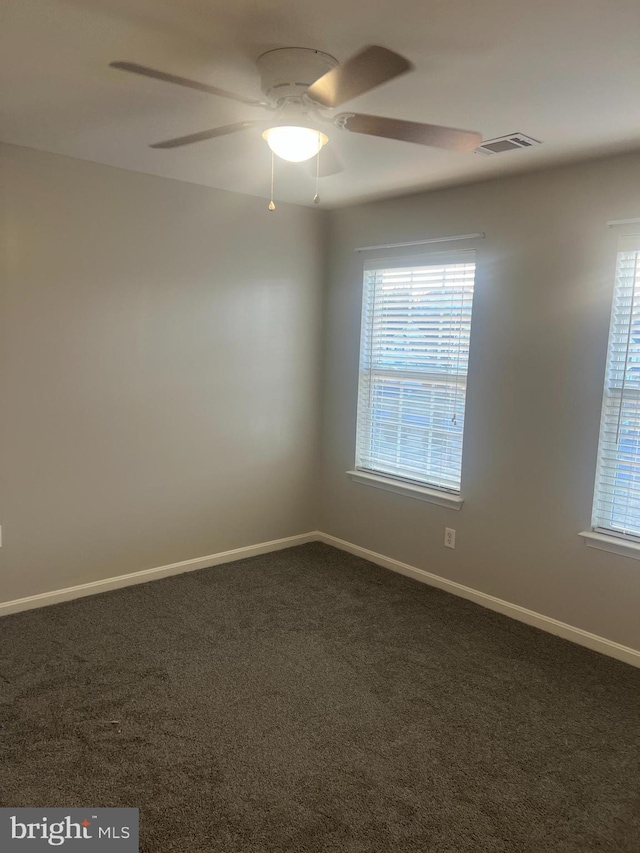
(522, 614)
(71, 592)
(530, 617)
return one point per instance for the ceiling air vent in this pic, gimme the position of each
(507, 143)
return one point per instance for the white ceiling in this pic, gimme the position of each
(566, 72)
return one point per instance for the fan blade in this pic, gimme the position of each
(134, 68)
(370, 68)
(410, 131)
(330, 163)
(208, 134)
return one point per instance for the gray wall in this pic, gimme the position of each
(159, 388)
(539, 335)
(160, 370)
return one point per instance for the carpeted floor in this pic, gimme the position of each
(309, 701)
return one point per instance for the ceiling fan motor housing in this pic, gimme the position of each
(288, 72)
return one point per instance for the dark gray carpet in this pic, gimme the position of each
(310, 701)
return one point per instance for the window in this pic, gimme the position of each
(616, 506)
(414, 352)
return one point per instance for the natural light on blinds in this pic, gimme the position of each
(616, 505)
(414, 352)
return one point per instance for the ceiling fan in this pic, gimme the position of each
(302, 87)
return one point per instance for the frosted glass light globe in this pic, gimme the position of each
(294, 143)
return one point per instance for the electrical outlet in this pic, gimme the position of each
(449, 538)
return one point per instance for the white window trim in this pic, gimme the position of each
(611, 543)
(409, 490)
(398, 257)
(604, 534)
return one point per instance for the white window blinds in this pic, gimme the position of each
(414, 352)
(616, 506)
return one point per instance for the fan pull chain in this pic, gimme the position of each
(271, 202)
(316, 198)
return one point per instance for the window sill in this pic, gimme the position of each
(409, 490)
(613, 544)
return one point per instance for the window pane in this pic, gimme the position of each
(416, 324)
(617, 494)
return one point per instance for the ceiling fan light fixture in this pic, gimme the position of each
(293, 143)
